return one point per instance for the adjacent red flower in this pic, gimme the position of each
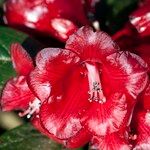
(56, 18)
(87, 89)
(135, 35)
(16, 94)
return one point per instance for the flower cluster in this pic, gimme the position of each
(91, 91)
(57, 18)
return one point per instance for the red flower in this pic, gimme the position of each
(16, 94)
(56, 18)
(82, 83)
(88, 89)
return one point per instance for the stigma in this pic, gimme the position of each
(33, 108)
(95, 87)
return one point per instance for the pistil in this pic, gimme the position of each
(95, 86)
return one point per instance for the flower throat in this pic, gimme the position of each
(95, 86)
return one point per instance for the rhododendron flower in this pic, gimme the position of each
(89, 89)
(80, 83)
(16, 94)
(56, 18)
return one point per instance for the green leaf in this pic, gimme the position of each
(7, 37)
(26, 137)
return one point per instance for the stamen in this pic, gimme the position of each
(95, 87)
(33, 107)
(133, 137)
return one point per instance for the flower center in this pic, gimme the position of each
(95, 86)
(33, 108)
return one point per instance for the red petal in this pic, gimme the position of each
(140, 19)
(16, 94)
(126, 72)
(37, 124)
(143, 127)
(146, 98)
(53, 65)
(113, 141)
(143, 51)
(22, 62)
(79, 140)
(61, 114)
(91, 45)
(74, 142)
(103, 119)
(63, 28)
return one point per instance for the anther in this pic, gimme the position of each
(33, 108)
(133, 137)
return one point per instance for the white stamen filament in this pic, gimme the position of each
(33, 107)
(95, 87)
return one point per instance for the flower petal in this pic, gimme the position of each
(77, 141)
(127, 73)
(37, 124)
(140, 19)
(62, 28)
(61, 114)
(142, 125)
(143, 51)
(106, 118)
(22, 62)
(16, 94)
(110, 142)
(91, 45)
(53, 65)
(146, 98)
